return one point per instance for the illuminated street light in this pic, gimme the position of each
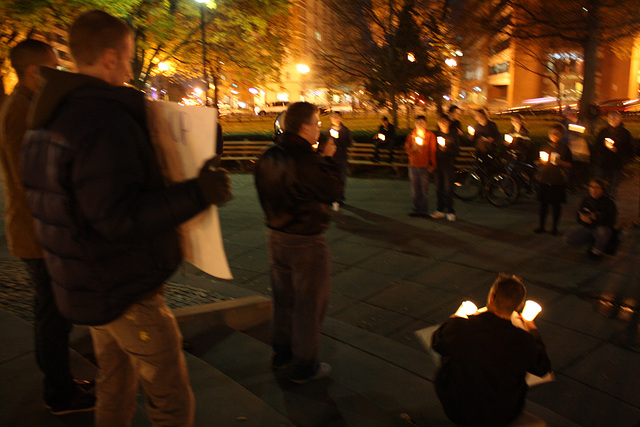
(163, 66)
(411, 57)
(303, 68)
(253, 90)
(204, 46)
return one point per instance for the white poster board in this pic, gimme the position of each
(185, 138)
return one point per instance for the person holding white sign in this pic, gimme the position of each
(107, 222)
(485, 359)
(296, 185)
(553, 165)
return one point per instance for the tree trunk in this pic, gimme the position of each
(591, 46)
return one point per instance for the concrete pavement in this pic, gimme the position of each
(393, 274)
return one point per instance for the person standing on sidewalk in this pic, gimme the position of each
(62, 394)
(296, 185)
(485, 359)
(107, 222)
(420, 146)
(448, 142)
(385, 138)
(342, 138)
(613, 149)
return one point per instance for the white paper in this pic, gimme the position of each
(185, 137)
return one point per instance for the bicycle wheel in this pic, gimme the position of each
(503, 190)
(467, 184)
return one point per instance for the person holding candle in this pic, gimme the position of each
(553, 164)
(485, 134)
(485, 359)
(517, 141)
(613, 149)
(580, 151)
(341, 136)
(385, 138)
(420, 146)
(596, 218)
(448, 141)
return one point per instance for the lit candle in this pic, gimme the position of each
(466, 308)
(508, 138)
(419, 140)
(544, 156)
(315, 146)
(576, 128)
(381, 136)
(531, 310)
(609, 143)
(471, 130)
(441, 141)
(334, 133)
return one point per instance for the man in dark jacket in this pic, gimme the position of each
(296, 186)
(385, 138)
(107, 222)
(597, 217)
(613, 149)
(62, 394)
(485, 359)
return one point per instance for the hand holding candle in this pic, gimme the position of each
(441, 141)
(466, 308)
(576, 128)
(471, 130)
(334, 133)
(381, 136)
(610, 143)
(508, 139)
(531, 310)
(419, 140)
(544, 156)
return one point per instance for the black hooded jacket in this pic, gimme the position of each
(104, 215)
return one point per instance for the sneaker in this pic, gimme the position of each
(451, 217)
(81, 401)
(322, 371)
(438, 215)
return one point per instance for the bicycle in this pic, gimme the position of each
(506, 186)
(487, 178)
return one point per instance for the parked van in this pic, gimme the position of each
(273, 107)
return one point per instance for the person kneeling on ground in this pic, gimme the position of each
(485, 359)
(596, 216)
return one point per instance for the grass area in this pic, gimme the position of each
(364, 125)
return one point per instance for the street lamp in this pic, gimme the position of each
(204, 48)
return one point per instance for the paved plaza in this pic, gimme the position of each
(393, 274)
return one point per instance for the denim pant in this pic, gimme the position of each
(445, 178)
(419, 179)
(598, 237)
(143, 345)
(300, 271)
(51, 337)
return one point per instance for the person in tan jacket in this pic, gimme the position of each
(62, 394)
(421, 147)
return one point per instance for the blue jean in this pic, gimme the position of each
(419, 179)
(300, 275)
(51, 337)
(597, 237)
(445, 177)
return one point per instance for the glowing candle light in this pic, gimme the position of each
(441, 141)
(381, 137)
(419, 140)
(544, 156)
(466, 308)
(531, 310)
(508, 139)
(609, 143)
(334, 133)
(471, 130)
(576, 128)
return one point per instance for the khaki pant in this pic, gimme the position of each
(143, 345)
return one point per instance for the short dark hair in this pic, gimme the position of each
(509, 293)
(29, 52)
(421, 117)
(385, 119)
(557, 127)
(601, 182)
(443, 117)
(482, 111)
(297, 114)
(453, 108)
(94, 32)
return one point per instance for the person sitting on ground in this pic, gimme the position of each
(385, 138)
(596, 216)
(485, 359)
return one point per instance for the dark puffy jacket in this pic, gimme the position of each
(296, 186)
(104, 216)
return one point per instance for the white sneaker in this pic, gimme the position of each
(438, 215)
(451, 217)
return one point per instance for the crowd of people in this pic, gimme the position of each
(94, 220)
